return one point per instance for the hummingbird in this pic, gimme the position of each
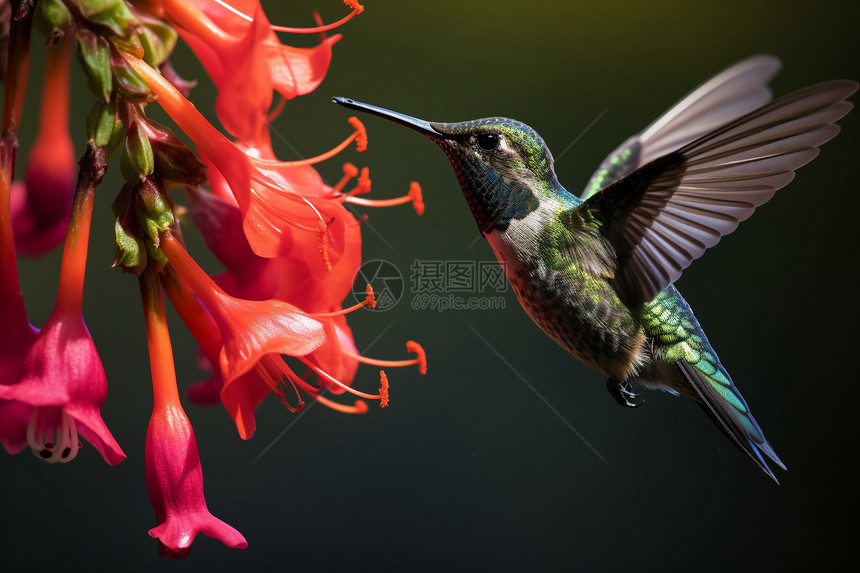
(595, 272)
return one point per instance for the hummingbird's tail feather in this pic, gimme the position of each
(689, 365)
(723, 403)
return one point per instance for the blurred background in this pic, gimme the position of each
(523, 461)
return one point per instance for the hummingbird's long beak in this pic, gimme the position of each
(418, 125)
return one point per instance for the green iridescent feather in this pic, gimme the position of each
(678, 338)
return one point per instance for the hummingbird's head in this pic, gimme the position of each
(503, 165)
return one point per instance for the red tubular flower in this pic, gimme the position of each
(61, 375)
(301, 247)
(174, 476)
(249, 329)
(313, 275)
(290, 246)
(253, 336)
(40, 205)
(246, 61)
(274, 197)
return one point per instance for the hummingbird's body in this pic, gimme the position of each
(567, 295)
(595, 273)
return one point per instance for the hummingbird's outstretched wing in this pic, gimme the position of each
(727, 96)
(665, 214)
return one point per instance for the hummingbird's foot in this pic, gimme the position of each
(622, 391)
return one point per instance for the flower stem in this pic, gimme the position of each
(16, 81)
(92, 169)
(17, 67)
(164, 389)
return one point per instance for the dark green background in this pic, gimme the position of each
(468, 467)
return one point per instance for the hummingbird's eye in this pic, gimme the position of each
(488, 141)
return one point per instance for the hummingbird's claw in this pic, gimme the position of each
(622, 391)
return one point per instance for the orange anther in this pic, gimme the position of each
(361, 137)
(417, 198)
(383, 389)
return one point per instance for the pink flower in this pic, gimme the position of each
(16, 337)
(61, 375)
(174, 479)
(14, 419)
(174, 476)
(62, 378)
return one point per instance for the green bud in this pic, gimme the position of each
(52, 19)
(94, 54)
(112, 14)
(174, 161)
(128, 83)
(129, 247)
(130, 252)
(158, 41)
(104, 127)
(138, 161)
(153, 210)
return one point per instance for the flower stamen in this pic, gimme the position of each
(411, 347)
(413, 196)
(267, 367)
(353, 4)
(360, 406)
(350, 171)
(322, 243)
(66, 445)
(326, 376)
(369, 301)
(359, 136)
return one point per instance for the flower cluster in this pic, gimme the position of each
(290, 247)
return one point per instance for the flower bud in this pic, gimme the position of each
(138, 161)
(127, 82)
(153, 209)
(174, 161)
(104, 127)
(129, 249)
(112, 14)
(158, 40)
(130, 252)
(94, 54)
(52, 19)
